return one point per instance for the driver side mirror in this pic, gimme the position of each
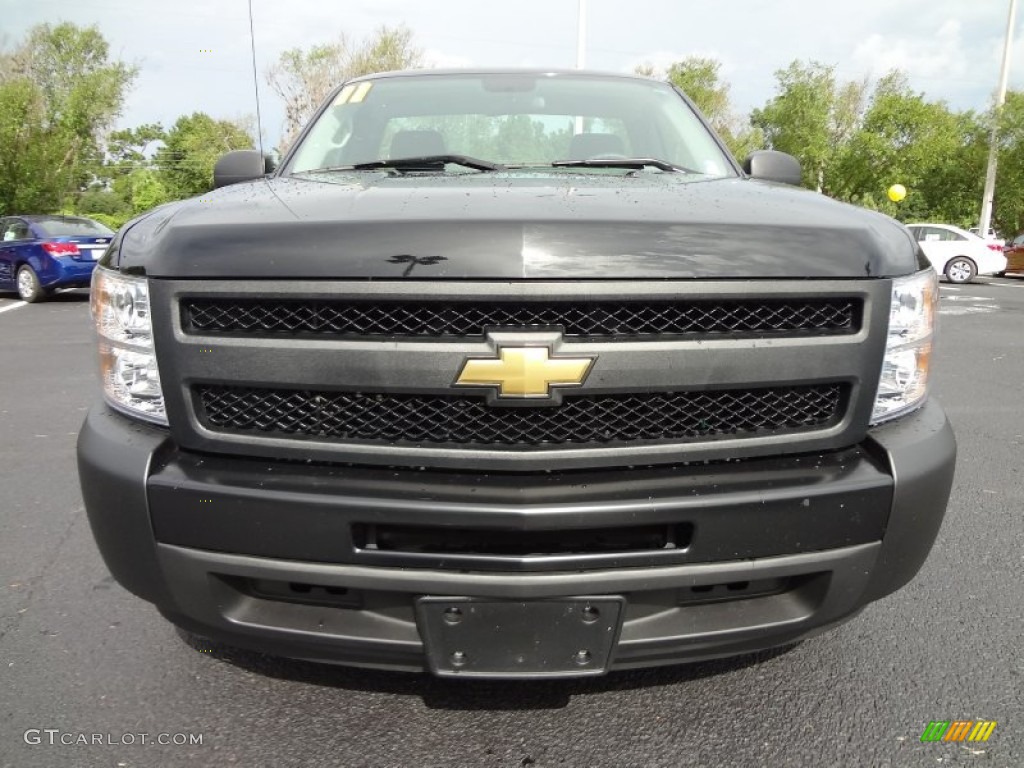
(769, 165)
(241, 165)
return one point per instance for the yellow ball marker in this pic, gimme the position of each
(897, 192)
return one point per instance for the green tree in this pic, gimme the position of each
(954, 184)
(64, 90)
(811, 117)
(184, 164)
(29, 150)
(302, 78)
(700, 79)
(1009, 197)
(143, 189)
(104, 205)
(127, 176)
(130, 145)
(937, 154)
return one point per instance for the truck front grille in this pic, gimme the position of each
(438, 319)
(581, 419)
(363, 372)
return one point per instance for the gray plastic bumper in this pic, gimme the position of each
(140, 492)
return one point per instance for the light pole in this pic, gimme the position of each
(581, 51)
(581, 35)
(993, 150)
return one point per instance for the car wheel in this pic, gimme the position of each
(1001, 274)
(960, 270)
(29, 288)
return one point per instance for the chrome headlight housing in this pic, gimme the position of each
(903, 384)
(128, 368)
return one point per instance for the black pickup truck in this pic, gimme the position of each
(513, 374)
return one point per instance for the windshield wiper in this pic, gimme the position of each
(623, 162)
(426, 163)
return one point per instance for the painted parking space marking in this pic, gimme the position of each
(967, 310)
(7, 305)
(964, 299)
(967, 304)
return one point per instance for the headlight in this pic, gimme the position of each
(120, 310)
(903, 385)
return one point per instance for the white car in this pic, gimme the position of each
(957, 253)
(990, 237)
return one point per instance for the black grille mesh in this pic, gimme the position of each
(472, 318)
(361, 417)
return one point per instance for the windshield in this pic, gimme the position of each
(514, 120)
(71, 227)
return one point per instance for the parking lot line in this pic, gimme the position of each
(15, 305)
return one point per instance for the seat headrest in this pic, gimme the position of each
(417, 144)
(583, 146)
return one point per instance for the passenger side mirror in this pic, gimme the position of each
(769, 165)
(241, 165)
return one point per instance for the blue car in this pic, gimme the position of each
(39, 254)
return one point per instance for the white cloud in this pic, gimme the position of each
(949, 48)
(938, 57)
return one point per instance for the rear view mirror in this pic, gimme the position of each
(769, 165)
(240, 165)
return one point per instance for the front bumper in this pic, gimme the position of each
(274, 555)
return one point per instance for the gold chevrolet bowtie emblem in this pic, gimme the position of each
(524, 372)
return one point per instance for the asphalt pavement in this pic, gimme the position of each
(83, 660)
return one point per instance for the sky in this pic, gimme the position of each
(195, 55)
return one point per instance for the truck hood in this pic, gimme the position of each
(550, 225)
